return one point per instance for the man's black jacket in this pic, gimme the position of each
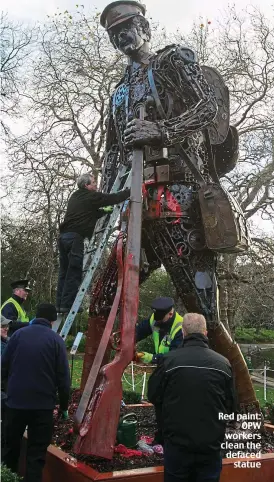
(83, 210)
(36, 366)
(193, 385)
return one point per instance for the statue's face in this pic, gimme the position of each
(128, 37)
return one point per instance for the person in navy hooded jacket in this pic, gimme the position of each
(36, 367)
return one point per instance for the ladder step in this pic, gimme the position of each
(90, 251)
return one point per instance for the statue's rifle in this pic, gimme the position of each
(97, 416)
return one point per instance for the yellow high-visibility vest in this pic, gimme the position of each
(22, 315)
(164, 346)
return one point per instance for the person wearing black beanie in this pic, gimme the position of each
(46, 311)
(35, 364)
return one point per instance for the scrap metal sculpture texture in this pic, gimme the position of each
(187, 218)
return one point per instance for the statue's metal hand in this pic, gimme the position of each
(140, 132)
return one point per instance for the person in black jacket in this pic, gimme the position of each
(35, 366)
(194, 385)
(84, 209)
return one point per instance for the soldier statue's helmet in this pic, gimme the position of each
(121, 11)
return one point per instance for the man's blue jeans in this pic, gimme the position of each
(183, 466)
(71, 252)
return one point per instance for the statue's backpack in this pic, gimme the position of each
(223, 219)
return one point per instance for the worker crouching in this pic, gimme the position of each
(165, 326)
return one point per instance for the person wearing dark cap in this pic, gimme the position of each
(165, 325)
(12, 308)
(35, 365)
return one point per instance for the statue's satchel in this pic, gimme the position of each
(223, 220)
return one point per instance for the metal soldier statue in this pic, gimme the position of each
(188, 143)
(188, 218)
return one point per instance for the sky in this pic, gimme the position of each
(172, 14)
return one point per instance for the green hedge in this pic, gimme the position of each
(8, 476)
(250, 335)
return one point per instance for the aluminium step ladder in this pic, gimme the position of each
(93, 255)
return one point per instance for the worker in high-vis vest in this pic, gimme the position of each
(165, 326)
(12, 309)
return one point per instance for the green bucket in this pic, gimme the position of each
(127, 431)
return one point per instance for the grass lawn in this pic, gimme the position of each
(138, 378)
(127, 381)
(77, 372)
(259, 389)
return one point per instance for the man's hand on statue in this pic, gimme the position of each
(142, 133)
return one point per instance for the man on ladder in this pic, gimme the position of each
(85, 207)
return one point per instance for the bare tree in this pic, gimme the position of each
(15, 41)
(68, 94)
(242, 48)
(28, 251)
(250, 284)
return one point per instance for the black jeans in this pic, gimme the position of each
(183, 466)
(71, 253)
(40, 427)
